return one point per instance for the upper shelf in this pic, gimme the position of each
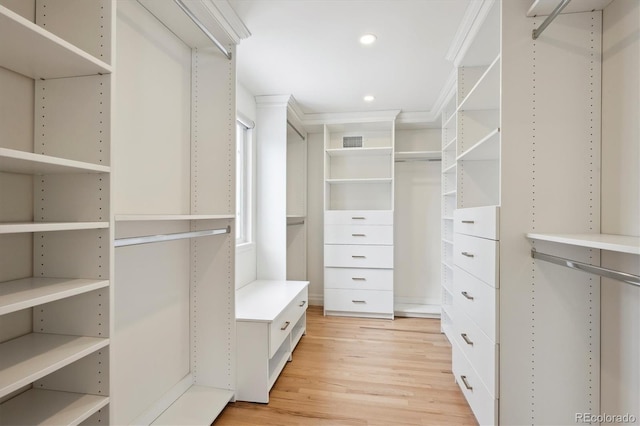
(487, 148)
(14, 161)
(25, 227)
(30, 50)
(485, 94)
(545, 7)
(418, 155)
(617, 243)
(348, 152)
(169, 217)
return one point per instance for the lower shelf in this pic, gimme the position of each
(415, 310)
(199, 405)
(38, 406)
(278, 361)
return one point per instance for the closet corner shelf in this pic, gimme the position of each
(32, 51)
(359, 181)
(418, 155)
(14, 161)
(485, 94)
(25, 227)
(33, 356)
(487, 148)
(169, 217)
(199, 405)
(450, 144)
(450, 169)
(348, 152)
(610, 242)
(28, 292)
(36, 406)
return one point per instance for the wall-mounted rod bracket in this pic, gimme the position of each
(202, 28)
(585, 267)
(121, 242)
(536, 32)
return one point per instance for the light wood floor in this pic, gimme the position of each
(352, 371)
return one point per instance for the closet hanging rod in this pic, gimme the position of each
(537, 31)
(296, 130)
(121, 242)
(204, 29)
(300, 222)
(603, 272)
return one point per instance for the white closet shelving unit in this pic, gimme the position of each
(526, 158)
(358, 209)
(55, 278)
(174, 354)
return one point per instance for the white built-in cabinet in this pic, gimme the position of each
(56, 276)
(358, 217)
(521, 155)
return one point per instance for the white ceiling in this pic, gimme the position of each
(310, 49)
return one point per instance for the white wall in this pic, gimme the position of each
(246, 253)
(620, 303)
(315, 218)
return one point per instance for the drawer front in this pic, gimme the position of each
(358, 234)
(476, 299)
(358, 278)
(478, 256)
(299, 306)
(479, 350)
(477, 221)
(358, 256)
(361, 301)
(358, 217)
(281, 327)
(483, 405)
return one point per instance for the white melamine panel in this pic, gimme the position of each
(479, 222)
(88, 375)
(478, 183)
(468, 78)
(368, 301)
(371, 195)
(154, 173)
(343, 256)
(475, 126)
(477, 300)
(478, 256)
(50, 407)
(280, 329)
(199, 405)
(487, 148)
(297, 250)
(13, 227)
(616, 243)
(86, 314)
(13, 161)
(75, 254)
(360, 167)
(264, 300)
(358, 234)
(485, 93)
(484, 406)
(16, 103)
(85, 103)
(480, 351)
(76, 197)
(359, 278)
(358, 217)
(35, 355)
(253, 357)
(296, 176)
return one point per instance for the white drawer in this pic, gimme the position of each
(478, 256)
(358, 256)
(281, 327)
(477, 221)
(358, 217)
(480, 351)
(358, 278)
(483, 405)
(477, 299)
(361, 301)
(358, 234)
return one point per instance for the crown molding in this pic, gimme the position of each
(228, 19)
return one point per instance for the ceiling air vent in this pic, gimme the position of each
(352, 141)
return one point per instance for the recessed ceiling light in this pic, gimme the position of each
(367, 39)
(369, 98)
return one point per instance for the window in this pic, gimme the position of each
(243, 181)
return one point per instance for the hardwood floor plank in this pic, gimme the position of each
(362, 372)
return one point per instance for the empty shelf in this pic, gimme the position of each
(14, 161)
(199, 405)
(418, 155)
(25, 293)
(487, 148)
(347, 152)
(22, 227)
(486, 92)
(618, 243)
(168, 217)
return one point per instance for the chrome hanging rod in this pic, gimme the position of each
(536, 32)
(121, 242)
(603, 272)
(204, 29)
(296, 130)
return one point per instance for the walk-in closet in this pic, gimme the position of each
(319, 212)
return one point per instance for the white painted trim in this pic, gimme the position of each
(350, 117)
(463, 31)
(228, 19)
(472, 31)
(272, 100)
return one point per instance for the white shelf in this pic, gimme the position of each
(264, 300)
(545, 7)
(447, 242)
(448, 121)
(29, 292)
(199, 405)
(13, 161)
(359, 181)
(277, 363)
(447, 194)
(33, 356)
(418, 155)
(450, 145)
(487, 148)
(485, 93)
(351, 152)
(617, 243)
(38, 406)
(450, 169)
(415, 310)
(23, 227)
(169, 217)
(447, 265)
(30, 50)
(447, 217)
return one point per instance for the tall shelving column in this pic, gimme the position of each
(55, 167)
